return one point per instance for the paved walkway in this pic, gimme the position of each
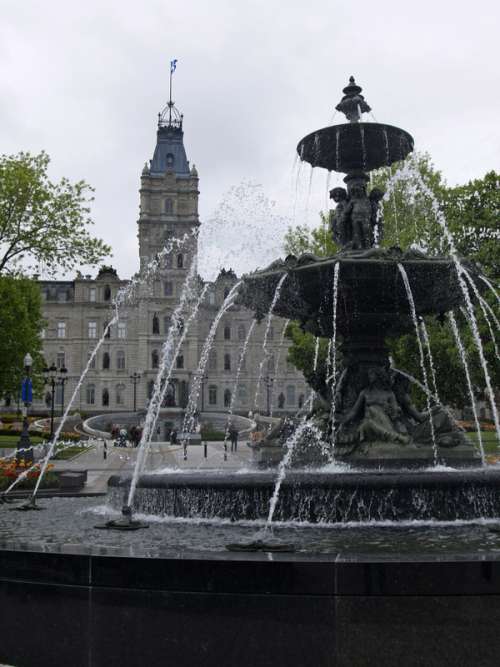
(121, 460)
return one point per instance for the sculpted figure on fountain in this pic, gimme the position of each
(356, 215)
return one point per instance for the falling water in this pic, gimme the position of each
(308, 196)
(166, 378)
(463, 357)
(427, 342)
(188, 422)
(265, 355)
(55, 439)
(409, 171)
(276, 368)
(310, 400)
(283, 465)
(168, 355)
(328, 360)
(128, 293)
(487, 311)
(409, 294)
(490, 285)
(327, 194)
(386, 144)
(236, 380)
(363, 147)
(334, 354)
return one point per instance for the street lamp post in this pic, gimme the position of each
(24, 443)
(62, 381)
(136, 377)
(54, 377)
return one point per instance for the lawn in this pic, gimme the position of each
(12, 440)
(489, 439)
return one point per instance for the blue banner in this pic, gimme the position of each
(27, 391)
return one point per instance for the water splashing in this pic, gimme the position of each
(413, 312)
(463, 357)
(265, 353)
(189, 417)
(336, 273)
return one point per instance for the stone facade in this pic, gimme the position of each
(78, 311)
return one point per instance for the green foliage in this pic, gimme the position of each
(414, 200)
(41, 221)
(303, 239)
(20, 323)
(473, 215)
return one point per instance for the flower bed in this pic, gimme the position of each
(11, 470)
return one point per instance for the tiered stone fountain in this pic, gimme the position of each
(363, 413)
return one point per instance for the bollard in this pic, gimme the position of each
(205, 453)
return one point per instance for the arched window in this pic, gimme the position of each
(169, 206)
(290, 395)
(226, 292)
(155, 360)
(170, 159)
(180, 361)
(151, 386)
(180, 325)
(281, 401)
(212, 395)
(180, 261)
(120, 393)
(167, 321)
(105, 361)
(212, 360)
(227, 398)
(227, 332)
(241, 332)
(90, 394)
(107, 329)
(301, 400)
(168, 288)
(120, 360)
(227, 362)
(107, 293)
(105, 397)
(156, 324)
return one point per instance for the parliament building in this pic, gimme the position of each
(77, 312)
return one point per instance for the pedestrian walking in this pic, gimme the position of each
(233, 436)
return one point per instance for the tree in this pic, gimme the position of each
(21, 324)
(42, 221)
(416, 197)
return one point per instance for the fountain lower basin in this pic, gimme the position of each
(317, 497)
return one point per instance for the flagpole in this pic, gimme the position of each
(170, 99)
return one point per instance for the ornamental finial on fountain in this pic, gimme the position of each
(353, 104)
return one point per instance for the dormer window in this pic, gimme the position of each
(170, 160)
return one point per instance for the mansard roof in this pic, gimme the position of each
(170, 154)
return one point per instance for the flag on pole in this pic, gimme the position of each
(173, 65)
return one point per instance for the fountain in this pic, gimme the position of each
(375, 535)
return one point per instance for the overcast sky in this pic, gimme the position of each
(85, 80)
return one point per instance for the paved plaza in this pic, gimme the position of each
(121, 460)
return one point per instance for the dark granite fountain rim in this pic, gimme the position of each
(354, 261)
(258, 574)
(374, 478)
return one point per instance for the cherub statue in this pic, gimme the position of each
(359, 209)
(338, 219)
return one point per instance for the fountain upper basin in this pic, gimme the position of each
(354, 147)
(371, 292)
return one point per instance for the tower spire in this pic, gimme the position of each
(170, 116)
